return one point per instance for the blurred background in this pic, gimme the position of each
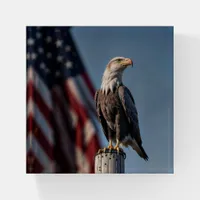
(65, 66)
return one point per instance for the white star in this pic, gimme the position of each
(49, 55)
(30, 41)
(59, 43)
(48, 39)
(57, 73)
(57, 30)
(69, 64)
(38, 35)
(33, 56)
(67, 48)
(42, 65)
(40, 50)
(47, 70)
(59, 58)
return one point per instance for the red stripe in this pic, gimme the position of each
(30, 124)
(92, 148)
(88, 83)
(30, 91)
(79, 135)
(78, 108)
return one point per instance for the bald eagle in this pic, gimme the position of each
(116, 109)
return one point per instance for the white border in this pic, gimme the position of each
(183, 184)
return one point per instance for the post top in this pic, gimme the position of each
(113, 151)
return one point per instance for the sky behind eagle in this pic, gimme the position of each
(150, 82)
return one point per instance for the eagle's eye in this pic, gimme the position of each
(118, 60)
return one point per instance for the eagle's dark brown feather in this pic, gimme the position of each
(128, 104)
(100, 116)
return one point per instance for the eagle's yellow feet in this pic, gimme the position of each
(110, 147)
(102, 150)
(118, 149)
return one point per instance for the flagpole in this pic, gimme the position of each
(110, 162)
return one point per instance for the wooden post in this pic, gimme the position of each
(109, 162)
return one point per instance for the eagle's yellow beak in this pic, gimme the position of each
(127, 62)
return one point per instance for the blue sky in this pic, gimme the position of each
(150, 82)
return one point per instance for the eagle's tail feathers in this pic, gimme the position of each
(139, 149)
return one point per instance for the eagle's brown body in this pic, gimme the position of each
(118, 115)
(109, 109)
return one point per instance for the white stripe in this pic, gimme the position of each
(41, 121)
(74, 117)
(40, 154)
(40, 86)
(30, 74)
(30, 107)
(81, 92)
(89, 131)
(82, 162)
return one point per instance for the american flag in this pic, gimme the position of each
(61, 118)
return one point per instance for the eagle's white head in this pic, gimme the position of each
(112, 76)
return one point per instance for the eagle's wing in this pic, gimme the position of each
(128, 104)
(100, 116)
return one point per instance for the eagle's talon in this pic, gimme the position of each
(110, 147)
(118, 149)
